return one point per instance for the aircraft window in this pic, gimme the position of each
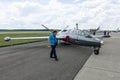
(72, 31)
(69, 31)
(86, 33)
(75, 31)
(64, 30)
(82, 33)
(79, 32)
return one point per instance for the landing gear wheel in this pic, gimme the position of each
(96, 52)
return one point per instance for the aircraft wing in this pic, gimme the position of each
(29, 38)
(25, 38)
(34, 38)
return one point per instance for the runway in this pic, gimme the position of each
(32, 62)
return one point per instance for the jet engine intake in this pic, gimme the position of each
(67, 38)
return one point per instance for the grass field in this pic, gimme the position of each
(21, 34)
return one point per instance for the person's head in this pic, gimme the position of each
(55, 32)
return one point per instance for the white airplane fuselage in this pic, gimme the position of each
(80, 37)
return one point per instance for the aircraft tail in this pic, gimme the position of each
(98, 28)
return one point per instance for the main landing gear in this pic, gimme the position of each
(96, 50)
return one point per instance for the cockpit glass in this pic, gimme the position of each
(86, 33)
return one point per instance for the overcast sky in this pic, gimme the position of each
(30, 14)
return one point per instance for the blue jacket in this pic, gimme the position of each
(53, 39)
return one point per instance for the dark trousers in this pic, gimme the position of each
(53, 52)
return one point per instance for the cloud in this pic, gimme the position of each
(57, 14)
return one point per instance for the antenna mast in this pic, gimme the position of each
(77, 26)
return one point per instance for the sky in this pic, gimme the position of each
(57, 14)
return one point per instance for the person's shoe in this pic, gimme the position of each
(52, 57)
(56, 59)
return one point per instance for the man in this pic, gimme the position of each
(53, 43)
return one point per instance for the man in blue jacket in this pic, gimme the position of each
(53, 43)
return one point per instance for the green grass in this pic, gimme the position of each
(17, 42)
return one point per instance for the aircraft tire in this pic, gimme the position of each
(96, 52)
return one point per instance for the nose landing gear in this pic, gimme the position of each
(96, 50)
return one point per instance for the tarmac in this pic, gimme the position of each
(32, 62)
(106, 65)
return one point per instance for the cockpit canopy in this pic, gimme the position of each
(77, 32)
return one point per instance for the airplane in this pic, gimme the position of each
(92, 30)
(71, 36)
(106, 32)
(95, 31)
(102, 32)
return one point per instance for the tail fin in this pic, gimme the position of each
(98, 28)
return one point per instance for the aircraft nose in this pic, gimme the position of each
(101, 42)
